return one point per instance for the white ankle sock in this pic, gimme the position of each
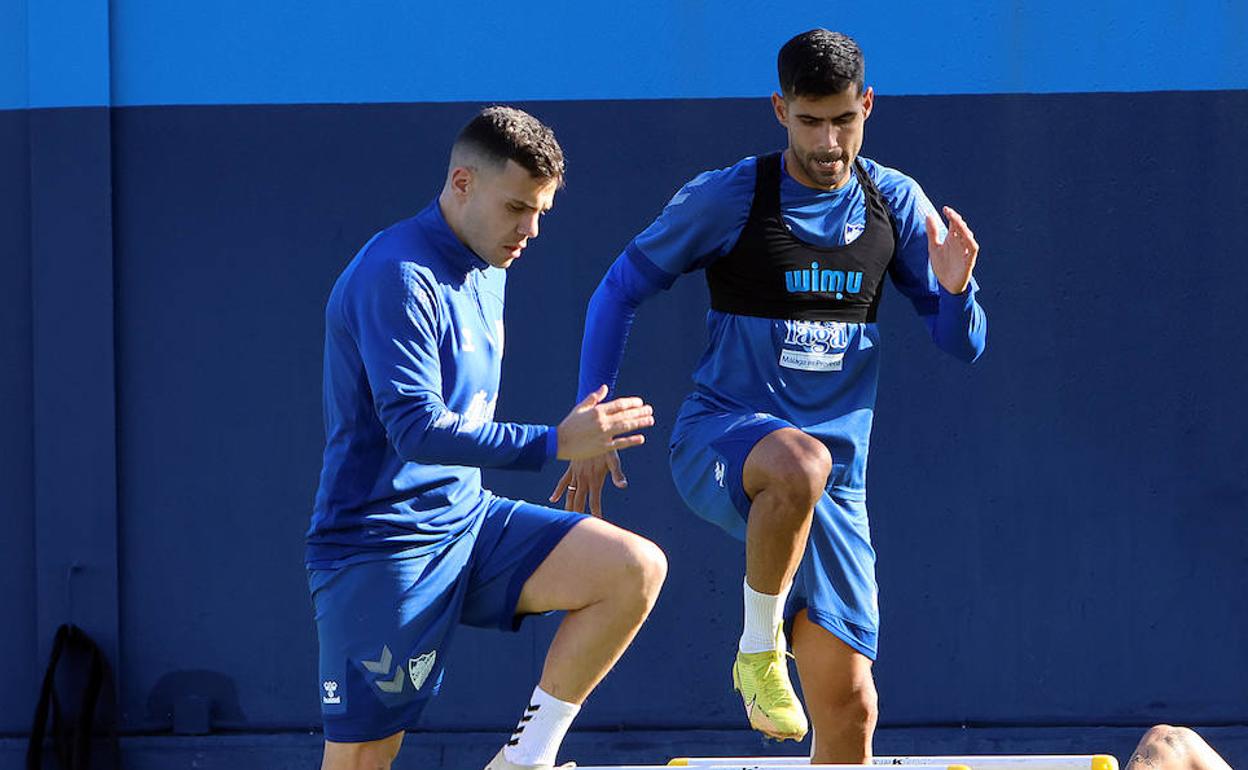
(763, 612)
(541, 730)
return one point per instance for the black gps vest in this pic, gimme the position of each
(769, 273)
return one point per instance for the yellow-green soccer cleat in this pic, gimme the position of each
(762, 678)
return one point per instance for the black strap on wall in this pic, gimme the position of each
(72, 745)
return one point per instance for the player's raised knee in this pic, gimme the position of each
(645, 565)
(792, 464)
(634, 570)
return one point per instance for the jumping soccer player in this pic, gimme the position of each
(404, 543)
(772, 444)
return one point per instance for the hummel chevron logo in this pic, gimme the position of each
(382, 666)
(394, 685)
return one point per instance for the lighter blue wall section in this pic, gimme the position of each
(68, 56)
(297, 51)
(240, 51)
(13, 55)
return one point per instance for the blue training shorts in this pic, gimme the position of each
(382, 625)
(835, 582)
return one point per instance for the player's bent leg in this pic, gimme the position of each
(1174, 748)
(784, 475)
(608, 580)
(840, 694)
(369, 755)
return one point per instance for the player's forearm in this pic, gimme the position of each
(609, 319)
(607, 324)
(438, 436)
(960, 326)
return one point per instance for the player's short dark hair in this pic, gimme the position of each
(820, 63)
(501, 134)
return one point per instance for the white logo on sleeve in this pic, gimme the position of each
(480, 410)
(331, 696)
(418, 668)
(719, 473)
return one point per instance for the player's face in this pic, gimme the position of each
(825, 134)
(502, 209)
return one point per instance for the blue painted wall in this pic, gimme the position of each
(1061, 527)
(17, 599)
(128, 53)
(1050, 522)
(241, 52)
(14, 56)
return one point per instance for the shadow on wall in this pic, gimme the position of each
(194, 702)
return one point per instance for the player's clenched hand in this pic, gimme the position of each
(954, 259)
(593, 428)
(583, 479)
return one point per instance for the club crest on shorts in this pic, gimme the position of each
(418, 668)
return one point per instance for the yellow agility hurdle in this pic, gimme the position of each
(985, 762)
(749, 763)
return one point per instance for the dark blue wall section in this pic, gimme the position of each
(1090, 529)
(1060, 526)
(17, 598)
(73, 404)
(231, 227)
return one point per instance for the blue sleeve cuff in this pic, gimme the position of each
(959, 303)
(552, 443)
(535, 453)
(960, 327)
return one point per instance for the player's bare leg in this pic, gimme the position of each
(784, 475)
(608, 580)
(370, 755)
(840, 694)
(1174, 748)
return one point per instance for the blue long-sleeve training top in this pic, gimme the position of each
(413, 356)
(745, 367)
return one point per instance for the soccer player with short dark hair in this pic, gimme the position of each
(772, 443)
(405, 544)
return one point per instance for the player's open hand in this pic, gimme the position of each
(594, 428)
(582, 482)
(954, 259)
